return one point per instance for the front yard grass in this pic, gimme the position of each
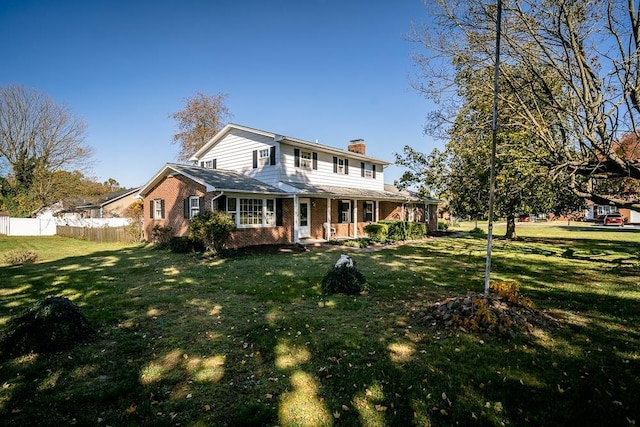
(250, 340)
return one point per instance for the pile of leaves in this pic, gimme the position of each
(503, 312)
(51, 325)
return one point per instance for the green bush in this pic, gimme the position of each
(161, 236)
(377, 232)
(181, 245)
(20, 256)
(343, 280)
(477, 231)
(212, 229)
(443, 225)
(416, 230)
(52, 324)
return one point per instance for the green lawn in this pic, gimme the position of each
(251, 340)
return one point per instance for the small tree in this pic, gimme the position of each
(212, 229)
(135, 212)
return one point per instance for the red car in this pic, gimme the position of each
(614, 219)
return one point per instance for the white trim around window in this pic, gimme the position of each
(252, 212)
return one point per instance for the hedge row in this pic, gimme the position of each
(391, 231)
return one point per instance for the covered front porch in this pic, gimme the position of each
(326, 218)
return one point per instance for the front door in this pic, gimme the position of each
(304, 218)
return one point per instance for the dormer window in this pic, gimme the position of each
(264, 154)
(208, 164)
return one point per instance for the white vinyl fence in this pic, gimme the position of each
(47, 226)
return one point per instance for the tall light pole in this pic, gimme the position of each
(494, 137)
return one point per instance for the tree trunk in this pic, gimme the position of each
(511, 228)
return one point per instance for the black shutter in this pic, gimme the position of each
(151, 209)
(185, 207)
(162, 209)
(201, 204)
(296, 157)
(222, 203)
(272, 156)
(361, 168)
(346, 166)
(279, 220)
(314, 156)
(335, 164)
(353, 210)
(255, 159)
(339, 211)
(374, 171)
(215, 163)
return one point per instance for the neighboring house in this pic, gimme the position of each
(279, 190)
(597, 213)
(111, 205)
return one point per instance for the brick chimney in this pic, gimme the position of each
(357, 146)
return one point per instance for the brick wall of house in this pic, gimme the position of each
(318, 217)
(391, 211)
(173, 190)
(265, 236)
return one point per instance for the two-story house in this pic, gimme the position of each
(279, 189)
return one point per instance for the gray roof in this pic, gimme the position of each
(348, 192)
(224, 180)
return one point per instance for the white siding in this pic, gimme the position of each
(235, 152)
(324, 175)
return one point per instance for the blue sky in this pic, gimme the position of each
(331, 70)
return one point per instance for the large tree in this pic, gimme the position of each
(581, 93)
(38, 137)
(200, 119)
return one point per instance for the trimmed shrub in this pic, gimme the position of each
(51, 325)
(377, 232)
(343, 280)
(161, 236)
(181, 245)
(416, 230)
(477, 232)
(443, 225)
(20, 256)
(211, 229)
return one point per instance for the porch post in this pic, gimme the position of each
(355, 219)
(376, 217)
(296, 220)
(327, 232)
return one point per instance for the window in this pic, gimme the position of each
(208, 164)
(252, 212)
(264, 154)
(305, 159)
(194, 206)
(368, 170)
(606, 209)
(345, 211)
(232, 204)
(340, 166)
(158, 209)
(368, 212)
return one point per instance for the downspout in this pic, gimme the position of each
(217, 197)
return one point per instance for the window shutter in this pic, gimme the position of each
(374, 171)
(279, 220)
(362, 169)
(353, 210)
(272, 156)
(162, 209)
(346, 166)
(314, 156)
(296, 157)
(335, 164)
(185, 207)
(215, 163)
(222, 203)
(255, 159)
(339, 211)
(201, 204)
(201, 164)
(151, 209)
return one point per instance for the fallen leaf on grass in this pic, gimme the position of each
(131, 409)
(381, 408)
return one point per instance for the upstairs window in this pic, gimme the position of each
(264, 154)
(305, 159)
(368, 170)
(208, 164)
(341, 166)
